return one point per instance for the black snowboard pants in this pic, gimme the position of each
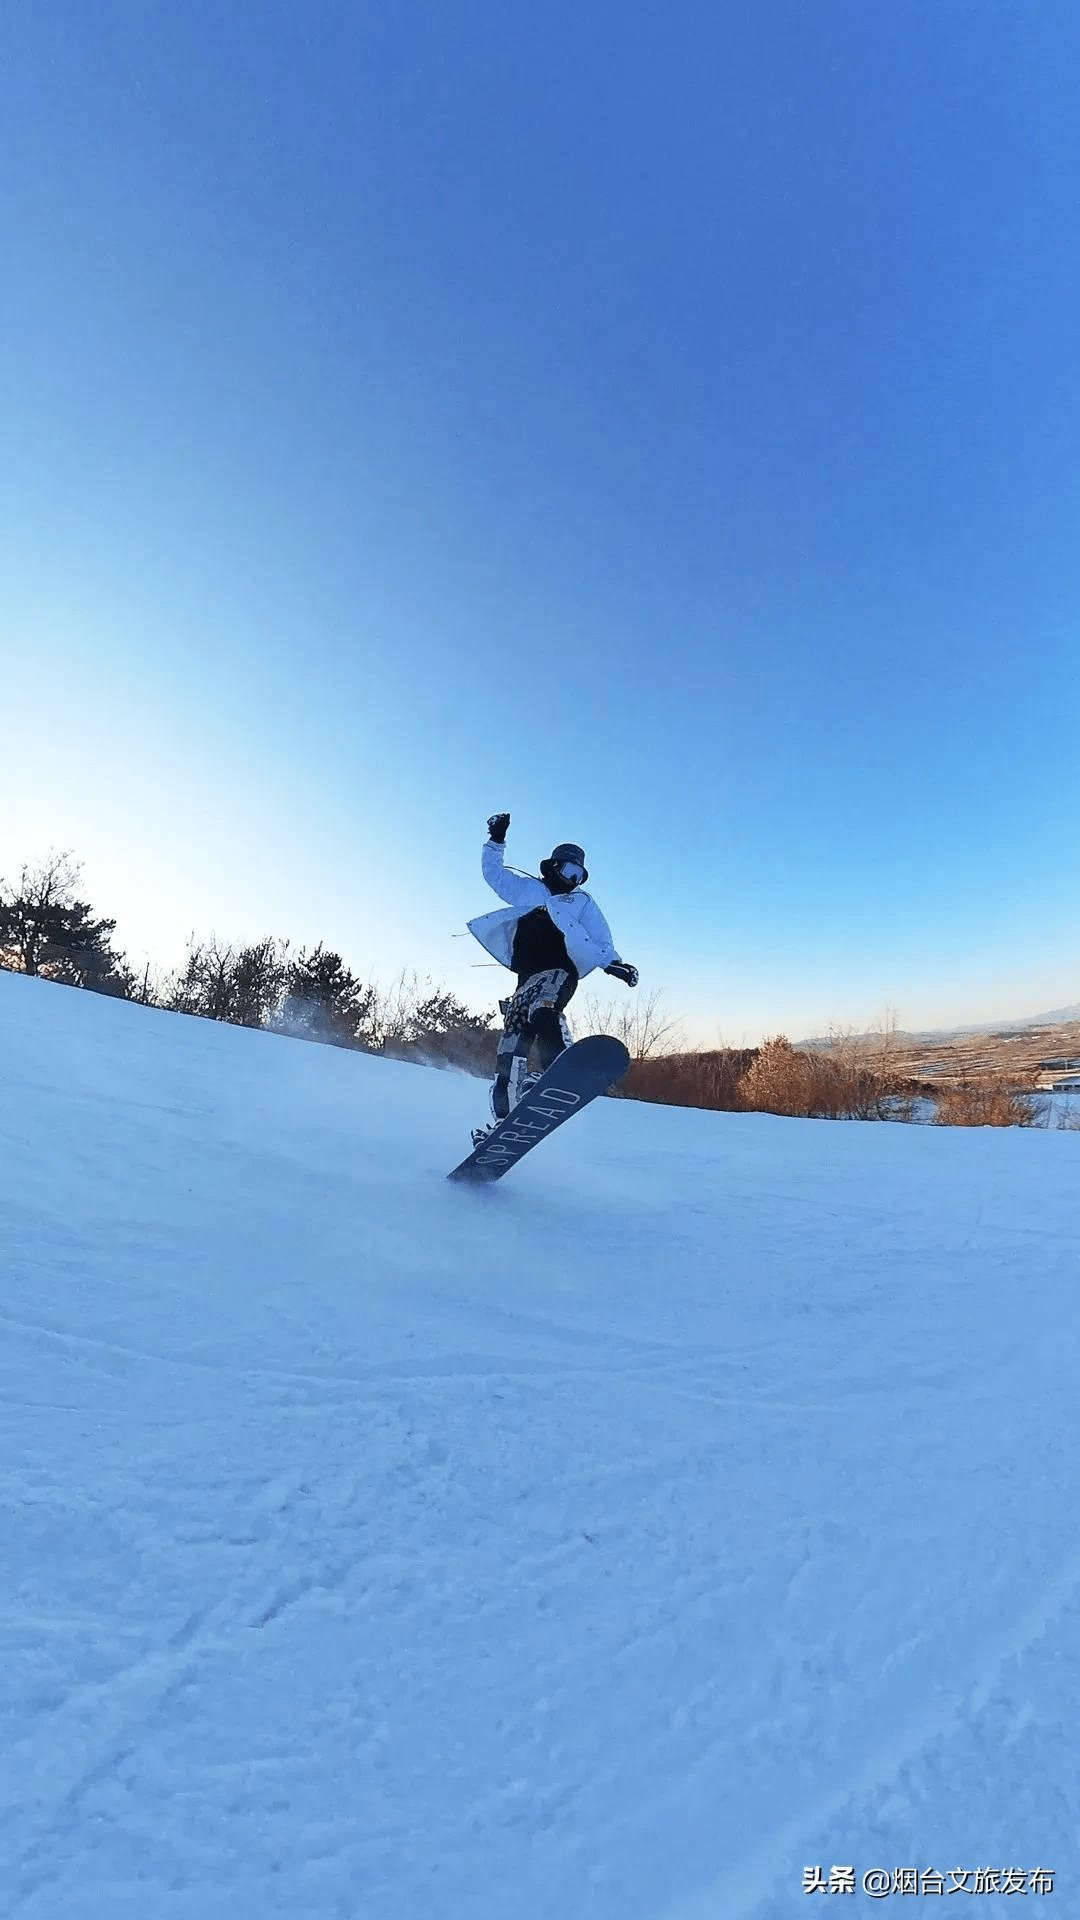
(533, 1016)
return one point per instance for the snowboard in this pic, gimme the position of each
(579, 1075)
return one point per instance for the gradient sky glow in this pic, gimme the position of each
(662, 423)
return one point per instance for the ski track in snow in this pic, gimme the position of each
(375, 1549)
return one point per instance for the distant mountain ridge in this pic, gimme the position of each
(1061, 1016)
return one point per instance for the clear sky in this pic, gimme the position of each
(659, 422)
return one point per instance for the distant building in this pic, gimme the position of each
(1059, 1076)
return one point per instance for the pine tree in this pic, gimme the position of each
(324, 1000)
(45, 930)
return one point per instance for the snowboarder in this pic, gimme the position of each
(551, 934)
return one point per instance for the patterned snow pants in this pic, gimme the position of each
(534, 1014)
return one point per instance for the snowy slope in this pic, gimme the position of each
(695, 1507)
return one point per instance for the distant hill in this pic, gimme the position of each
(1061, 1016)
(1038, 1052)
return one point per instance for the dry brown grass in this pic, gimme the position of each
(708, 1079)
(986, 1100)
(985, 1080)
(880, 1076)
(847, 1080)
(1023, 1054)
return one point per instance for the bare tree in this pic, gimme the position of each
(149, 988)
(414, 1016)
(46, 931)
(30, 913)
(202, 987)
(221, 982)
(641, 1023)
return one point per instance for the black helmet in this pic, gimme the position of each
(565, 855)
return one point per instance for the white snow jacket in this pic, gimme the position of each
(577, 916)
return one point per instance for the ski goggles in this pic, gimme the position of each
(571, 870)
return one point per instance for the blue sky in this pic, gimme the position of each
(660, 423)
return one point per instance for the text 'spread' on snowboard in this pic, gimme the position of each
(579, 1075)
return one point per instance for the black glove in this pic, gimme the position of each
(497, 826)
(622, 970)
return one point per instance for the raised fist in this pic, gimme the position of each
(497, 826)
